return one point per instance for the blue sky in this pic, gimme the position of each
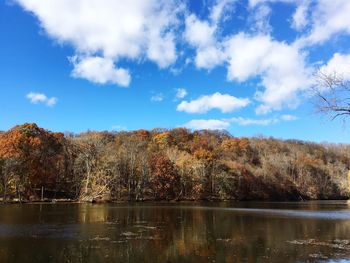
(244, 66)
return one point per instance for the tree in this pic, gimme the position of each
(35, 156)
(94, 184)
(333, 94)
(164, 177)
(167, 164)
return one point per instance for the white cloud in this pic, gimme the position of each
(99, 70)
(209, 57)
(288, 117)
(281, 67)
(323, 18)
(51, 101)
(202, 34)
(221, 8)
(111, 30)
(224, 102)
(254, 3)
(106, 33)
(198, 33)
(157, 97)
(339, 64)
(247, 121)
(328, 18)
(207, 124)
(261, 122)
(119, 128)
(260, 19)
(300, 16)
(181, 93)
(36, 98)
(221, 124)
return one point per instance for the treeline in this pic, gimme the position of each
(165, 164)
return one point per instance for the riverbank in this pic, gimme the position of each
(161, 164)
(76, 201)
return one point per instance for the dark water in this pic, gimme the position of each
(192, 232)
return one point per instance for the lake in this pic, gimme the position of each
(317, 231)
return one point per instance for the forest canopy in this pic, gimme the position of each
(163, 164)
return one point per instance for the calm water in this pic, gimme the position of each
(193, 232)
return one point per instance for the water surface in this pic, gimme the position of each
(176, 232)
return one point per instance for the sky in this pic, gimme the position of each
(246, 66)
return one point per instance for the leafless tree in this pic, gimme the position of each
(332, 94)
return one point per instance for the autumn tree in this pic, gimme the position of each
(93, 180)
(168, 164)
(35, 155)
(164, 177)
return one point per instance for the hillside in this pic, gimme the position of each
(164, 164)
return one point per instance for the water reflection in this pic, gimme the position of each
(224, 232)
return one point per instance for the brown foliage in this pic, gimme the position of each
(164, 177)
(168, 164)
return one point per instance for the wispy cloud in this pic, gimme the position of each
(210, 124)
(222, 124)
(157, 97)
(119, 128)
(181, 93)
(261, 122)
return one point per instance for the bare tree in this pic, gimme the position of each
(333, 94)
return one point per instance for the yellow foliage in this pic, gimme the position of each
(163, 139)
(203, 154)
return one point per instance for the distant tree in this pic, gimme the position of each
(168, 164)
(164, 177)
(93, 184)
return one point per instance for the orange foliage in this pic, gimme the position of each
(163, 139)
(236, 145)
(144, 134)
(203, 154)
(165, 179)
(37, 151)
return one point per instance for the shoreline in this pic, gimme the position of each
(65, 201)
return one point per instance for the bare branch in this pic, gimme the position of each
(332, 93)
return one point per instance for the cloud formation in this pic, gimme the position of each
(281, 67)
(107, 35)
(328, 18)
(223, 102)
(100, 70)
(339, 64)
(107, 31)
(202, 34)
(36, 98)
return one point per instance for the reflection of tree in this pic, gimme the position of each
(165, 233)
(90, 213)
